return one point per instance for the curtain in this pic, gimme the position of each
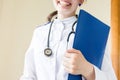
(119, 37)
(115, 22)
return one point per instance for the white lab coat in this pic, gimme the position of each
(39, 67)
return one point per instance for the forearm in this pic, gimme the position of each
(89, 74)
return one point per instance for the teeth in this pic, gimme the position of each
(64, 3)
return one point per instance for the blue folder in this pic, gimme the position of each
(90, 38)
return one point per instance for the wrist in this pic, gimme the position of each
(90, 72)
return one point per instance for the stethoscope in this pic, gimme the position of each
(48, 50)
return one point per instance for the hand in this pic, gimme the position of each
(75, 63)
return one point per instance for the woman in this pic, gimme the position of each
(51, 57)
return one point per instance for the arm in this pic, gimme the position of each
(75, 63)
(29, 67)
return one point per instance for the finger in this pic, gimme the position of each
(66, 59)
(67, 62)
(73, 51)
(66, 65)
(67, 55)
(70, 68)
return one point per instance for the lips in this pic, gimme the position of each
(64, 3)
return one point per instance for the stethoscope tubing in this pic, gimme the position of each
(48, 44)
(48, 50)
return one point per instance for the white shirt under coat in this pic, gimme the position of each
(37, 66)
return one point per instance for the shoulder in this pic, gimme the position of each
(43, 25)
(42, 29)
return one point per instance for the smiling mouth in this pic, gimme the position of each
(64, 3)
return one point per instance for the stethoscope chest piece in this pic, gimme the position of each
(48, 52)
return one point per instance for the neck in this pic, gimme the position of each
(63, 16)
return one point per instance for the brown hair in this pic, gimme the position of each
(51, 15)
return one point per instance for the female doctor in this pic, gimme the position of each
(51, 57)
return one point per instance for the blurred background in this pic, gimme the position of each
(18, 19)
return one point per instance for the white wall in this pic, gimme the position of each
(100, 9)
(18, 18)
